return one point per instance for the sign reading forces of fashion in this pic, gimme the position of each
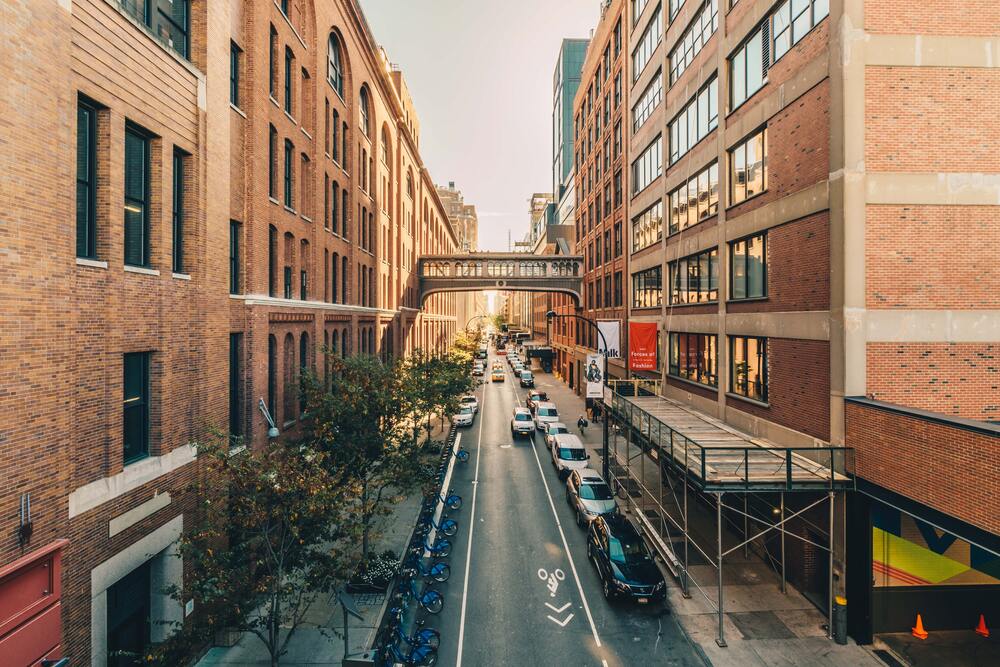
(642, 346)
(594, 371)
(612, 331)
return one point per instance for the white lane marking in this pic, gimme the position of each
(472, 526)
(558, 610)
(572, 565)
(561, 624)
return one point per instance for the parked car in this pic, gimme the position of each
(520, 423)
(478, 369)
(535, 396)
(466, 415)
(568, 454)
(471, 401)
(589, 496)
(554, 429)
(544, 414)
(623, 562)
(497, 375)
(527, 378)
(482, 353)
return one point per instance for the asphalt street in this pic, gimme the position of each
(522, 591)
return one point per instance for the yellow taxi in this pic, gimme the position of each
(497, 375)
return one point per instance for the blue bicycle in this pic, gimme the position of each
(429, 599)
(447, 526)
(421, 636)
(462, 455)
(439, 571)
(422, 655)
(439, 549)
(451, 501)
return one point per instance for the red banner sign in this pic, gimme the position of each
(642, 346)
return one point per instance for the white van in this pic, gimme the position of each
(568, 453)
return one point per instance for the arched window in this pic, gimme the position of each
(409, 184)
(334, 67)
(345, 343)
(365, 111)
(335, 342)
(303, 367)
(288, 390)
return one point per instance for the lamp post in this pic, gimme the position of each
(473, 319)
(549, 316)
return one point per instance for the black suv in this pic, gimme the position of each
(623, 562)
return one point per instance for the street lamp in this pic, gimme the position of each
(604, 430)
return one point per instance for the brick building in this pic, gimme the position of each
(601, 169)
(222, 236)
(813, 218)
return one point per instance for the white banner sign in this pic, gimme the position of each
(612, 331)
(594, 372)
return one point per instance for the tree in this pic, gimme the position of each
(275, 530)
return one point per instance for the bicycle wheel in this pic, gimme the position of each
(440, 572)
(462, 455)
(454, 501)
(441, 548)
(425, 656)
(429, 637)
(449, 527)
(432, 602)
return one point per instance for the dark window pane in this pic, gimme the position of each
(136, 193)
(135, 418)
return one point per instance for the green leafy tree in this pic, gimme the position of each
(275, 530)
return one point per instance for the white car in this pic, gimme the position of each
(545, 414)
(470, 401)
(554, 429)
(569, 454)
(520, 423)
(466, 415)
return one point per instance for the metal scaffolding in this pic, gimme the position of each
(665, 454)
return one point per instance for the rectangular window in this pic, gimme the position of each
(648, 101)
(699, 31)
(136, 198)
(335, 152)
(748, 68)
(618, 239)
(272, 161)
(675, 6)
(289, 67)
(234, 74)
(135, 418)
(272, 67)
(607, 291)
(695, 279)
(618, 289)
(303, 284)
(647, 227)
(694, 357)
(86, 181)
(618, 38)
(289, 158)
(748, 367)
(234, 257)
(695, 200)
(792, 20)
(648, 167)
(647, 288)
(272, 261)
(178, 209)
(748, 268)
(695, 121)
(647, 44)
(637, 7)
(235, 375)
(166, 19)
(288, 282)
(748, 168)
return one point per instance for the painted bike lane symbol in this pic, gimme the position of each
(552, 580)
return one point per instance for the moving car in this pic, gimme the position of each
(471, 401)
(527, 378)
(535, 396)
(623, 561)
(544, 414)
(589, 496)
(568, 454)
(482, 353)
(520, 423)
(554, 429)
(466, 415)
(497, 375)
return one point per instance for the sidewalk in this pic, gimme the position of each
(319, 640)
(763, 627)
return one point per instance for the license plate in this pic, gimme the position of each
(642, 600)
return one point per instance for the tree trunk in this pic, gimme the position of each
(365, 520)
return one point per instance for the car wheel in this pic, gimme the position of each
(579, 519)
(607, 590)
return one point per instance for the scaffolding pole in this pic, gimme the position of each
(783, 589)
(684, 579)
(829, 602)
(721, 639)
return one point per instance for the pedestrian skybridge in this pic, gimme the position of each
(518, 272)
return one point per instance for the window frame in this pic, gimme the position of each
(746, 266)
(731, 176)
(234, 256)
(695, 30)
(702, 345)
(639, 225)
(693, 106)
(694, 261)
(647, 154)
(234, 73)
(683, 189)
(141, 135)
(288, 175)
(762, 355)
(645, 281)
(142, 405)
(649, 100)
(86, 244)
(647, 45)
(177, 210)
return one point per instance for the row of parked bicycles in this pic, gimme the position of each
(405, 637)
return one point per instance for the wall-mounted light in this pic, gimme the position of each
(26, 527)
(272, 432)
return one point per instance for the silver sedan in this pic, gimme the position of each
(588, 495)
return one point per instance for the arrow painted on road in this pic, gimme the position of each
(561, 624)
(560, 609)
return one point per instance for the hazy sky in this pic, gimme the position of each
(480, 73)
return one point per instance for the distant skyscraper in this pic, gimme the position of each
(565, 82)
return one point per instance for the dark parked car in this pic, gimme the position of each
(534, 398)
(623, 562)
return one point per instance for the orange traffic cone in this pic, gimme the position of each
(919, 631)
(981, 629)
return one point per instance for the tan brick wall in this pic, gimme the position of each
(933, 17)
(950, 469)
(960, 379)
(929, 257)
(932, 119)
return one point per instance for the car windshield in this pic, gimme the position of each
(465, 411)
(556, 430)
(629, 550)
(547, 412)
(521, 417)
(540, 396)
(526, 374)
(572, 453)
(598, 491)
(469, 400)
